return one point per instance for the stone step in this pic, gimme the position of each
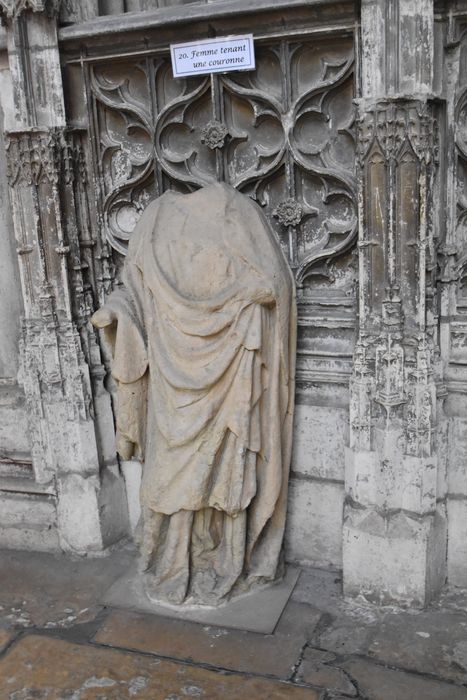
(28, 521)
(11, 467)
(17, 475)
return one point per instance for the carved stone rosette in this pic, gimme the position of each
(214, 134)
(289, 212)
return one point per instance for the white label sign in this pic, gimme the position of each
(213, 56)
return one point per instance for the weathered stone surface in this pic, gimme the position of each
(391, 463)
(430, 641)
(457, 456)
(5, 637)
(132, 471)
(379, 683)
(194, 405)
(10, 298)
(14, 429)
(346, 636)
(316, 452)
(312, 641)
(28, 521)
(347, 626)
(418, 544)
(272, 655)
(457, 541)
(399, 258)
(434, 642)
(30, 670)
(314, 523)
(258, 612)
(24, 509)
(47, 590)
(316, 670)
(30, 538)
(298, 619)
(320, 588)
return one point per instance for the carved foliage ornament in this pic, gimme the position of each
(392, 125)
(35, 157)
(12, 9)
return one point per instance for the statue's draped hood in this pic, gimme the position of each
(208, 307)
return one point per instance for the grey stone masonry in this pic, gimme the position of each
(58, 351)
(394, 545)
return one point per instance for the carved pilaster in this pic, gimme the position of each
(61, 367)
(34, 169)
(53, 370)
(393, 531)
(398, 152)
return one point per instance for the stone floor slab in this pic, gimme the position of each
(273, 655)
(316, 669)
(255, 612)
(350, 626)
(428, 642)
(5, 638)
(54, 590)
(380, 683)
(50, 669)
(432, 641)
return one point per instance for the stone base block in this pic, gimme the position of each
(405, 482)
(258, 611)
(457, 542)
(28, 521)
(320, 433)
(24, 509)
(92, 512)
(314, 523)
(30, 538)
(78, 514)
(132, 473)
(113, 507)
(393, 558)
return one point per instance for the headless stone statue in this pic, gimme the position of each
(203, 338)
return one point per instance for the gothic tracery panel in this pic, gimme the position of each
(283, 134)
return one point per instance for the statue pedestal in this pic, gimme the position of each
(258, 611)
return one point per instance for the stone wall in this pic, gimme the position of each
(364, 180)
(452, 84)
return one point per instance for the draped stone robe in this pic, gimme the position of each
(203, 335)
